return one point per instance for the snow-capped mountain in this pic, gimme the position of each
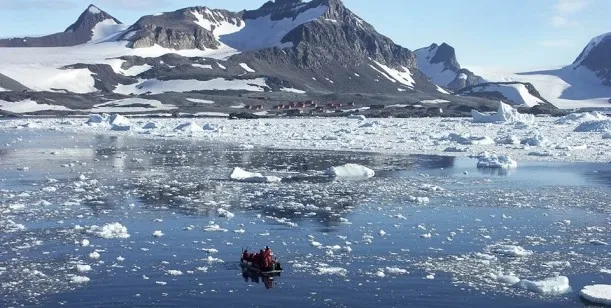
(439, 63)
(596, 56)
(285, 48)
(93, 24)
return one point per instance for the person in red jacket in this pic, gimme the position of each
(245, 256)
(267, 258)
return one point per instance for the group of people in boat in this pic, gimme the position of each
(263, 260)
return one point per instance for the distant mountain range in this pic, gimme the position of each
(286, 49)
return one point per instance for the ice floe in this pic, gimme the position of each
(597, 294)
(594, 126)
(110, 231)
(350, 171)
(550, 286)
(241, 175)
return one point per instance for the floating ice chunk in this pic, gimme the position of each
(210, 250)
(350, 171)
(94, 255)
(239, 174)
(510, 250)
(315, 244)
(96, 119)
(508, 279)
(120, 259)
(225, 213)
(467, 139)
(511, 140)
(82, 268)
(150, 125)
(419, 199)
(332, 271)
(79, 279)
(210, 127)
(158, 233)
(536, 140)
(594, 126)
(161, 283)
(214, 228)
(119, 122)
(487, 160)
(550, 286)
(598, 242)
(359, 117)
(202, 269)
(174, 272)
(426, 235)
(396, 271)
(505, 113)
(430, 276)
(597, 294)
(371, 124)
(85, 242)
(211, 259)
(580, 117)
(189, 128)
(111, 230)
(382, 233)
(380, 273)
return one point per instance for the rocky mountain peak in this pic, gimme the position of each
(89, 19)
(595, 57)
(439, 63)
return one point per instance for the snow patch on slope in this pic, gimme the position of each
(217, 27)
(128, 105)
(106, 28)
(155, 86)
(41, 78)
(404, 77)
(28, 105)
(263, 32)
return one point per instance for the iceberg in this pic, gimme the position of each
(505, 113)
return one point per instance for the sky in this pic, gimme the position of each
(515, 35)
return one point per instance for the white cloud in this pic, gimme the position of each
(564, 11)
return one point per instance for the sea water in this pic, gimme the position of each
(100, 221)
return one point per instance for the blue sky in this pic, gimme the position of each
(514, 34)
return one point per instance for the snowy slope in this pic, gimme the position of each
(566, 87)
(512, 93)
(265, 31)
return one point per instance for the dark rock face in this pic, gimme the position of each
(440, 64)
(78, 33)
(180, 29)
(596, 56)
(11, 84)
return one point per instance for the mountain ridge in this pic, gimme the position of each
(80, 32)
